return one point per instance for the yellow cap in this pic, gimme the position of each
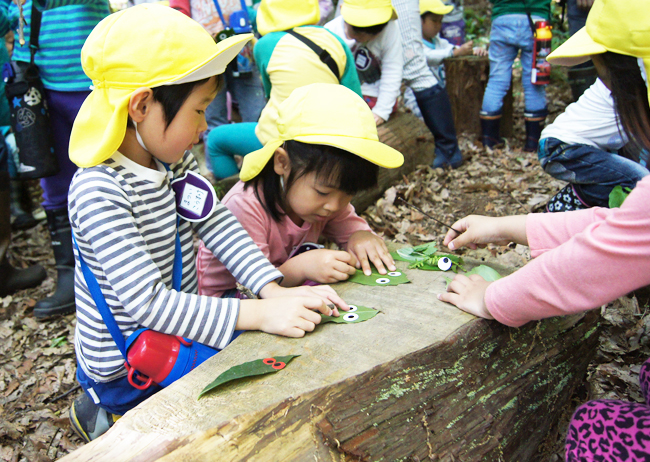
(147, 45)
(366, 13)
(279, 15)
(621, 26)
(435, 7)
(329, 114)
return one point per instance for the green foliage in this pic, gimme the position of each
(617, 196)
(250, 369)
(59, 341)
(363, 313)
(423, 257)
(486, 272)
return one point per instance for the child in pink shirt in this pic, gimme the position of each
(299, 186)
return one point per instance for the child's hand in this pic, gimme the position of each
(291, 317)
(378, 120)
(367, 247)
(325, 294)
(327, 266)
(468, 294)
(478, 230)
(465, 49)
(480, 51)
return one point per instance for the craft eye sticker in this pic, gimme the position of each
(357, 313)
(375, 279)
(250, 369)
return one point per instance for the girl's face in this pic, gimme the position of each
(169, 145)
(431, 25)
(309, 198)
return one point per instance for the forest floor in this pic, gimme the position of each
(37, 361)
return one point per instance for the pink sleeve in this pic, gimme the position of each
(252, 216)
(607, 258)
(343, 225)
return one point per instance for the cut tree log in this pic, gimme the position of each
(467, 77)
(422, 380)
(404, 132)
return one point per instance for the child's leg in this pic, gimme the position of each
(226, 141)
(609, 430)
(534, 95)
(248, 91)
(592, 172)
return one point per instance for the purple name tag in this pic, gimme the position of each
(195, 198)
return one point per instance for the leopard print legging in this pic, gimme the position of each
(611, 430)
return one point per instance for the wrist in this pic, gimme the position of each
(250, 316)
(270, 290)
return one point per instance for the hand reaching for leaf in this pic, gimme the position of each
(368, 248)
(326, 294)
(320, 265)
(468, 294)
(477, 231)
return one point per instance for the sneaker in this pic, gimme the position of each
(88, 420)
(565, 201)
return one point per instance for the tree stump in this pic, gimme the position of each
(404, 132)
(467, 77)
(422, 380)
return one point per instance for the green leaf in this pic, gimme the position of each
(249, 369)
(487, 273)
(393, 278)
(617, 196)
(363, 314)
(59, 341)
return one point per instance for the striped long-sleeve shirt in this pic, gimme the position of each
(65, 25)
(123, 218)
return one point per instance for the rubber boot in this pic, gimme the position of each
(435, 107)
(490, 131)
(12, 279)
(580, 78)
(566, 200)
(62, 302)
(20, 206)
(534, 127)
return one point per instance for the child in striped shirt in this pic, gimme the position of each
(132, 225)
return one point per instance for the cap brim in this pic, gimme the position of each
(373, 151)
(366, 17)
(446, 9)
(576, 50)
(255, 162)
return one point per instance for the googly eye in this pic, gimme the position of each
(350, 317)
(445, 263)
(269, 361)
(382, 281)
(394, 273)
(278, 365)
(352, 308)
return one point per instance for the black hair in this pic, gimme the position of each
(427, 14)
(371, 30)
(172, 97)
(630, 95)
(338, 168)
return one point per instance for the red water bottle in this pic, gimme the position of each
(541, 72)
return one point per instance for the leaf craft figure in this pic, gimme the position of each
(356, 314)
(250, 369)
(424, 257)
(393, 278)
(486, 272)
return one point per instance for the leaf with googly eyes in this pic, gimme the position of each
(393, 278)
(356, 314)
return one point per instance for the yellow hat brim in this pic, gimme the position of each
(375, 152)
(100, 125)
(443, 10)
(576, 50)
(367, 17)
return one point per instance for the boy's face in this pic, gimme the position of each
(360, 37)
(431, 25)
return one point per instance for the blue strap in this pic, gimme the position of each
(223, 21)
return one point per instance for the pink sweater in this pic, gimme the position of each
(276, 240)
(584, 259)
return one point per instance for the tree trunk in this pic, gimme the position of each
(404, 132)
(422, 380)
(467, 77)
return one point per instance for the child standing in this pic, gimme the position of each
(584, 258)
(511, 32)
(287, 60)
(368, 27)
(137, 199)
(299, 186)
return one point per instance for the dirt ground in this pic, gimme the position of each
(37, 374)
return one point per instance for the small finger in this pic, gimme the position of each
(379, 264)
(294, 332)
(365, 264)
(305, 325)
(449, 297)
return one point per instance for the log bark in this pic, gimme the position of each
(420, 381)
(467, 77)
(404, 132)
